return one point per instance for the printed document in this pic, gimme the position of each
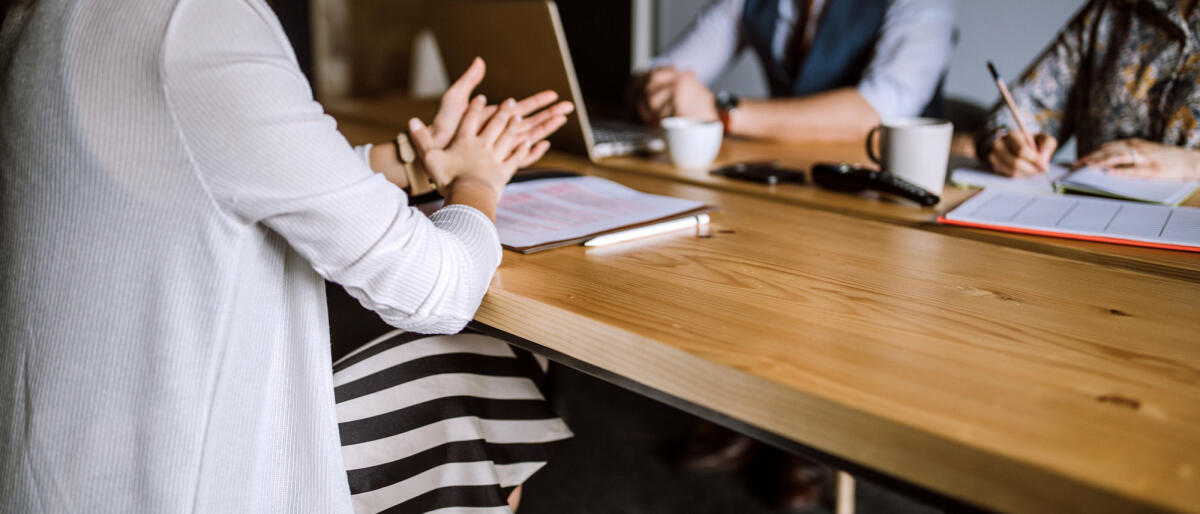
(547, 213)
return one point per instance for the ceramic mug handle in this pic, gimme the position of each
(871, 147)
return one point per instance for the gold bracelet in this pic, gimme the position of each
(419, 182)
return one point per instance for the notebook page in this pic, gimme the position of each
(1040, 183)
(1167, 192)
(1081, 216)
(1183, 226)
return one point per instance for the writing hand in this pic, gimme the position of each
(1012, 154)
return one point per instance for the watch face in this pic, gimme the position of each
(727, 101)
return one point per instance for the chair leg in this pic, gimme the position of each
(845, 493)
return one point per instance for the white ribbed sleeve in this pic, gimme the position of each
(268, 154)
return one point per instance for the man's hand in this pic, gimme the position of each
(666, 92)
(456, 100)
(1145, 159)
(1012, 154)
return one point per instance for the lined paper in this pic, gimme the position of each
(1097, 181)
(1094, 181)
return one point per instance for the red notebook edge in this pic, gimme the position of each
(1049, 233)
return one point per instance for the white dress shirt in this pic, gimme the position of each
(170, 199)
(912, 53)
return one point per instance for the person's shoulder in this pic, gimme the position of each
(205, 27)
(235, 21)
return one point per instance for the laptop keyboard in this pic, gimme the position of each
(612, 134)
(617, 138)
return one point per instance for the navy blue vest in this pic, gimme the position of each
(841, 49)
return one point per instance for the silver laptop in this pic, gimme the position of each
(526, 51)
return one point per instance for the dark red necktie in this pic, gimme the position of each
(798, 48)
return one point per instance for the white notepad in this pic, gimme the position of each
(1094, 219)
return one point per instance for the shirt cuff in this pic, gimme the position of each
(477, 233)
(364, 152)
(659, 62)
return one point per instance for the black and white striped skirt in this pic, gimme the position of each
(441, 422)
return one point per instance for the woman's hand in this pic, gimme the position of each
(1012, 154)
(540, 115)
(547, 117)
(1145, 159)
(484, 153)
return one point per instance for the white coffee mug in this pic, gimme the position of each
(692, 143)
(914, 149)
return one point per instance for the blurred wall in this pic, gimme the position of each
(1009, 32)
(364, 47)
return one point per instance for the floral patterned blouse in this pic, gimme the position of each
(1121, 69)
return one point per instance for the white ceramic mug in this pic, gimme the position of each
(914, 149)
(692, 143)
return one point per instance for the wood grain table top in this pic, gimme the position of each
(1013, 379)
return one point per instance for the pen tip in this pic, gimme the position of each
(992, 68)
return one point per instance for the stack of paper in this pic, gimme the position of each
(549, 213)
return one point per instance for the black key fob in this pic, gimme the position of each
(762, 172)
(853, 179)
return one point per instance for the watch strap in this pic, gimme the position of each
(727, 103)
(419, 182)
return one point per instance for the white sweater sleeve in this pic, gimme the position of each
(268, 154)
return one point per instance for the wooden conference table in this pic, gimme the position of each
(897, 211)
(1010, 379)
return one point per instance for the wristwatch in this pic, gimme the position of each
(727, 103)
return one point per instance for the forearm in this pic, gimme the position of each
(840, 114)
(474, 193)
(466, 191)
(383, 159)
